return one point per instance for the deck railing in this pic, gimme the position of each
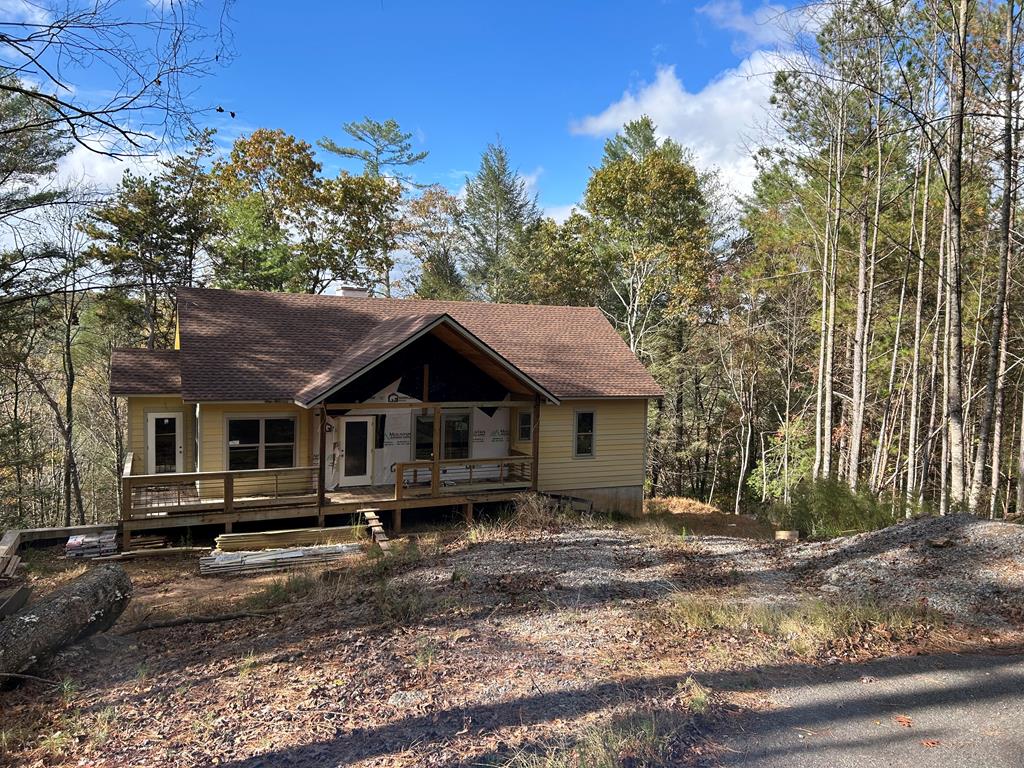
(145, 496)
(455, 476)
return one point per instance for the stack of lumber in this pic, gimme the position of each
(273, 559)
(90, 545)
(296, 537)
(149, 542)
(9, 559)
(376, 529)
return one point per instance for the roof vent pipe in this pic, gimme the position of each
(354, 291)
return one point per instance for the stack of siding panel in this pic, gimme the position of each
(297, 537)
(89, 545)
(273, 559)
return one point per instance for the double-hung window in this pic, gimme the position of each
(261, 443)
(583, 434)
(524, 426)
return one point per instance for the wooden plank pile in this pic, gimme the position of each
(9, 559)
(230, 563)
(297, 537)
(149, 542)
(89, 545)
(376, 529)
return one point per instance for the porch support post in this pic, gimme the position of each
(321, 475)
(535, 443)
(435, 474)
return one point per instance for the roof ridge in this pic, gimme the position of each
(380, 299)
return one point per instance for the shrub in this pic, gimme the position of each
(824, 509)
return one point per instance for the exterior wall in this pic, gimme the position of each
(138, 437)
(213, 430)
(615, 473)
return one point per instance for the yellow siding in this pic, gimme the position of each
(620, 434)
(138, 407)
(213, 422)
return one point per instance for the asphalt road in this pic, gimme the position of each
(941, 711)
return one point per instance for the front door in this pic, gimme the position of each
(165, 449)
(354, 441)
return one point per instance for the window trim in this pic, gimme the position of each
(262, 418)
(519, 426)
(576, 433)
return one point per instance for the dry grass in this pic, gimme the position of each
(804, 627)
(529, 513)
(645, 739)
(700, 519)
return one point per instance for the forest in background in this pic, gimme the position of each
(845, 338)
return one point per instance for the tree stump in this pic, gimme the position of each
(89, 604)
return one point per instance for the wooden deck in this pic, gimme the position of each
(183, 499)
(224, 498)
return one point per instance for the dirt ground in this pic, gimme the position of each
(500, 645)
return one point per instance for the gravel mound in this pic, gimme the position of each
(969, 569)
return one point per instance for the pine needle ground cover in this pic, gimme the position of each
(581, 644)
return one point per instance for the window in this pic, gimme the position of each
(261, 443)
(584, 434)
(525, 426)
(455, 437)
(424, 438)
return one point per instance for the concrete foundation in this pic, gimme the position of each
(627, 500)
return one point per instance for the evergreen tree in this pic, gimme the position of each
(133, 237)
(500, 215)
(384, 148)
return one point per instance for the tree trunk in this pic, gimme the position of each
(954, 393)
(859, 356)
(995, 334)
(89, 604)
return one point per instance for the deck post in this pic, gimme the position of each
(467, 512)
(229, 492)
(321, 475)
(435, 474)
(126, 498)
(535, 443)
(396, 520)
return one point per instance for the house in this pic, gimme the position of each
(275, 406)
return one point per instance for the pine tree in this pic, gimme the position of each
(500, 213)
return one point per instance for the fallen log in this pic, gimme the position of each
(89, 604)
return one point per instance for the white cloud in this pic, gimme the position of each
(532, 180)
(764, 27)
(23, 12)
(716, 122)
(560, 212)
(102, 172)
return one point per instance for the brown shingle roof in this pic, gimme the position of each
(144, 372)
(248, 345)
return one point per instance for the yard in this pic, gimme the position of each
(661, 642)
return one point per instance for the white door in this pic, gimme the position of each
(354, 443)
(165, 450)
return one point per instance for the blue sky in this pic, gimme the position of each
(552, 79)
